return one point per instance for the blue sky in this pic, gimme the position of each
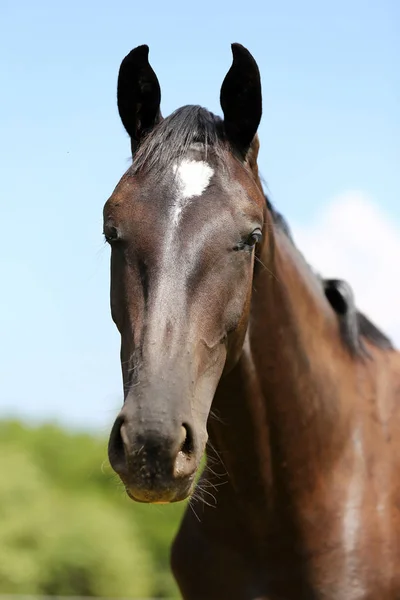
(331, 124)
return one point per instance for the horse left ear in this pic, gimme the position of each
(241, 100)
(138, 95)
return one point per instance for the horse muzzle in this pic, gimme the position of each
(156, 459)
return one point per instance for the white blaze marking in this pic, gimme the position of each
(193, 177)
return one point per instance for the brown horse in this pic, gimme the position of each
(230, 343)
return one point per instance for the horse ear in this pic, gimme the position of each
(241, 99)
(138, 95)
(251, 159)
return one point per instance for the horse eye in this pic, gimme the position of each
(254, 238)
(111, 234)
(250, 241)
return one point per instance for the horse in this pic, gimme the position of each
(232, 346)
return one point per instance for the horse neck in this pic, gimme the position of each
(281, 410)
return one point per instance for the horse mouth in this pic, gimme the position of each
(160, 496)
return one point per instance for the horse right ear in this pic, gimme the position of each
(138, 95)
(241, 100)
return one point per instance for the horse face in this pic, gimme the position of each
(183, 224)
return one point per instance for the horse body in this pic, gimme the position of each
(231, 343)
(303, 470)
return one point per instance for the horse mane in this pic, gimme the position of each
(372, 333)
(354, 325)
(171, 139)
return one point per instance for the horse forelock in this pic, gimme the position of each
(189, 127)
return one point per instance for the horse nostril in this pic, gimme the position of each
(187, 444)
(117, 445)
(124, 440)
(185, 461)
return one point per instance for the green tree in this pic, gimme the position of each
(57, 539)
(90, 551)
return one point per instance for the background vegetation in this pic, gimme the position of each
(66, 525)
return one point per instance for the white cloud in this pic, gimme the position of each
(353, 239)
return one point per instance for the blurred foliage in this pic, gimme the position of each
(66, 525)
